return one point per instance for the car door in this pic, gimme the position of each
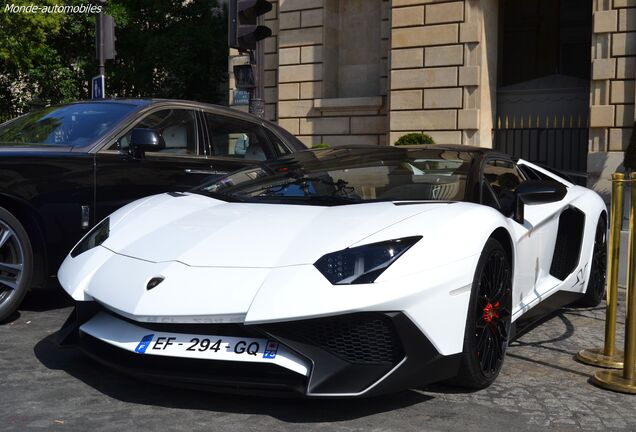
(534, 238)
(184, 162)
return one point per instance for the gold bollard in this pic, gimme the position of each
(625, 381)
(609, 356)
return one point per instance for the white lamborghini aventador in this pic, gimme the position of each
(338, 272)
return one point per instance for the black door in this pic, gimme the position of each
(61, 199)
(543, 94)
(183, 164)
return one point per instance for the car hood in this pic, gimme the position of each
(203, 232)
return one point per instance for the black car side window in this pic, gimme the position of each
(236, 138)
(503, 177)
(280, 148)
(177, 126)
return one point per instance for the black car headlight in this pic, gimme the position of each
(95, 237)
(363, 264)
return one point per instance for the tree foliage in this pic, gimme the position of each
(171, 49)
(165, 48)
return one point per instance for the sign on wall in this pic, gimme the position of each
(241, 97)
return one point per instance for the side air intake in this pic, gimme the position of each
(567, 250)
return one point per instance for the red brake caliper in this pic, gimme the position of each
(491, 312)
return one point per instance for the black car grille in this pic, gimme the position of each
(357, 338)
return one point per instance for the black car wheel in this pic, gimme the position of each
(16, 263)
(595, 292)
(489, 319)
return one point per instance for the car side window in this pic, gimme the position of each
(236, 138)
(176, 126)
(280, 148)
(503, 177)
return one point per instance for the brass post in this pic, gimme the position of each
(608, 356)
(625, 381)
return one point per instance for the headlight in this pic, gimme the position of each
(363, 264)
(95, 237)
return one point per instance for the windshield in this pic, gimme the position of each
(420, 175)
(74, 125)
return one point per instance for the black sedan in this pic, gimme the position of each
(64, 168)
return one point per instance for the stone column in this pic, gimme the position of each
(612, 90)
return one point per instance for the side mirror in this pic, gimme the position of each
(532, 192)
(143, 140)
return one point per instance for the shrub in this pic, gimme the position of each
(414, 139)
(320, 146)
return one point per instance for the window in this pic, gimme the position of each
(177, 126)
(414, 176)
(237, 139)
(352, 48)
(503, 177)
(280, 148)
(77, 125)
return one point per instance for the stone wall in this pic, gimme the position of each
(438, 85)
(437, 67)
(612, 90)
(297, 67)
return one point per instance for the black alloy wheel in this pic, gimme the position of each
(16, 264)
(489, 318)
(595, 292)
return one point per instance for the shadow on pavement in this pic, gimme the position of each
(543, 344)
(291, 410)
(40, 300)
(569, 331)
(11, 318)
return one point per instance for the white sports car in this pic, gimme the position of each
(338, 272)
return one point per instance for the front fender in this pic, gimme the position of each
(449, 235)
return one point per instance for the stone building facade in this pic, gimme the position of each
(368, 71)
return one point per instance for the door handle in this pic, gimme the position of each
(207, 172)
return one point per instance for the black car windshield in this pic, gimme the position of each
(74, 125)
(327, 179)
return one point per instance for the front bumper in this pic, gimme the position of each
(353, 355)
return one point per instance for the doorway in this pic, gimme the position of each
(543, 93)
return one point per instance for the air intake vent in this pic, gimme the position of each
(357, 338)
(567, 250)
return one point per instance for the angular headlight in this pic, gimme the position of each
(95, 237)
(363, 264)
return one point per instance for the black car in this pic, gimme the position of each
(64, 168)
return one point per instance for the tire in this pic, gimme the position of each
(489, 319)
(16, 264)
(595, 291)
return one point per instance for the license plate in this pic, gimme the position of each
(142, 341)
(200, 346)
